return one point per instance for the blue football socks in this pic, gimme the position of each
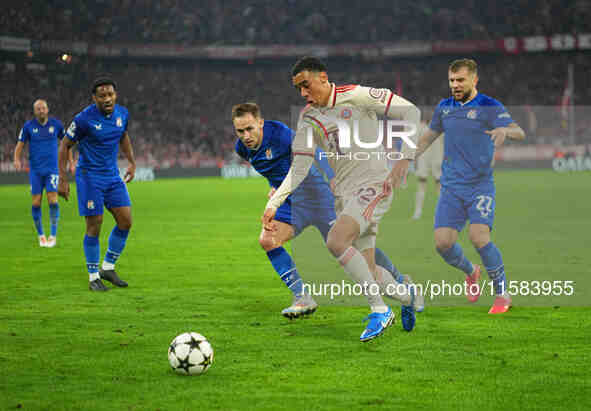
(285, 267)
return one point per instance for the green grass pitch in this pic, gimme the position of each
(194, 264)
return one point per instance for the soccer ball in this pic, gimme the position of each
(190, 354)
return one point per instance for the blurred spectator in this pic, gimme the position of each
(288, 21)
(180, 112)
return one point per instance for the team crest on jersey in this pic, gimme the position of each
(268, 154)
(377, 93)
(119, 122)
(472, 114)
(346, 113)
(51, 130)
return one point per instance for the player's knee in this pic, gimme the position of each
(36, 202)
(125, 224)
(335, 245)
(267, 242)
(479, 240)
(93, 225)
(442, 244)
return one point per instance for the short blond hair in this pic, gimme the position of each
(468, 63)
(242, 109)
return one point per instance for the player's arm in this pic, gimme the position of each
(17, 155)
(71, 161)
(22, 139)
(125, 144)
(425, 140)
(512, 131)
(503, 126)
(385, 103)
(63, 156)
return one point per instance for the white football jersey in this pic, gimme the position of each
(347, 130)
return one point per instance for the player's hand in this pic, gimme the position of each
(73, 168)
(399, 172)
(17, 165)
(130, 173)
(271, 192)
(497, 135)
(63, 188)
(333, 185)
(267, 219)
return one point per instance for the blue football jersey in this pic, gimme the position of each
(43, 143)
(98, 136)
(468, 150)
(273, 158)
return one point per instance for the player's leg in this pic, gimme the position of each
(357, 225)
(420, 197)
(54, 209)
(92, 251)
(36, 195)
(450, 217)
(90, 206)
(117, 241)
(481, 219)
(272, 242)
(118, 203)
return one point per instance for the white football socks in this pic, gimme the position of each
(391, 287)
(356, 266)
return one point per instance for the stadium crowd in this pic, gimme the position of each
(180, 113)
(288, 21)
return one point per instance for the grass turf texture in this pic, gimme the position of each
(194, 264)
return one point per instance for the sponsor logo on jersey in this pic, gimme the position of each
(90, 205)
(445, 112)
(51, 129)
(472, 114)
(504, 115)
(268, 154)
(377, 93)
(98, 126)
(346, 113)
(119, 122)
(35, 130)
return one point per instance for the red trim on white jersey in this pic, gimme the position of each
(368, 212)
(300, 153)
(334, 94)
(345, 88)
(388, 105)
(320, 124)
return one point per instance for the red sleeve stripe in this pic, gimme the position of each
(348, 87)
(334, 97)
(300, 153)
(319, 123)
(388, 105)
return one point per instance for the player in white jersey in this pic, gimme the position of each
(363, 187)
(428, 164)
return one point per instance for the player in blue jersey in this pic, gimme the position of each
(267, 146)
(474, 124)
(100, 130)
(42, 134)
